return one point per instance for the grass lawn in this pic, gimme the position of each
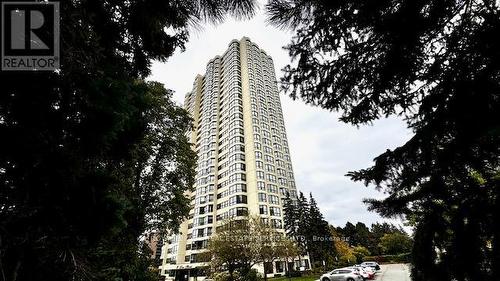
(302, 278)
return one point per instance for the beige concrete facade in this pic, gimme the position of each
(244, 162)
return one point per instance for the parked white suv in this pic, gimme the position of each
(371, 264)
(365, 274)
(342, 274)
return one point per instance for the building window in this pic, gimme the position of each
(241, 211)
(269, 168)
(274, 211)
(261, 185)
(275, 223)
(263, 209)
(272, 188)
(258, 146)
(273, 199)
(268, 267)
(262, 197)
(279, 266)
(271, 178)
(241, 199)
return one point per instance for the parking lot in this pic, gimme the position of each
(393, 272)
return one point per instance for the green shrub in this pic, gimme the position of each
(401, 258)
(220, 276)
(252, 275)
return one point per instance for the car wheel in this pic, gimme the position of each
(325, 279)
(350, 279)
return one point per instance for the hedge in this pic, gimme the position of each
(401, 258)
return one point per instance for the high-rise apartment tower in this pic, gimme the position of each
(244, 161)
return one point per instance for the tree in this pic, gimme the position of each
(233, 247)
(435, 63)
(289, 251)
(345, 254)
(364, 241)
(290, 217)
(320, 245)
(91, 155)
(267, 243)
(242, 243)
(363, 234)
(395, 243)
(349, 231)
(360, 252)
(378, 230)
(303, 233)
(305, 224)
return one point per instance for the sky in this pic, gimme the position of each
(322, 148)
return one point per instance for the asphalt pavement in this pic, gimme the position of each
(393, 272)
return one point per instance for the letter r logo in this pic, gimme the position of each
(19, 22)
(30, 32)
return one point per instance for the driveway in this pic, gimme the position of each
(394, 272)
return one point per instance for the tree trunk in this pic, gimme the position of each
(231, 268)
(286, 266)
(265, 272)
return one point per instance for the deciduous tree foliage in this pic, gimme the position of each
(359, 236)
(232, 248)
(91, 156)
(345, 254)
(437, 64)
(240, 243)
(361, 252)
(395, 243)
(377, 231)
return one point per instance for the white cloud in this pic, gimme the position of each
(323, 149)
